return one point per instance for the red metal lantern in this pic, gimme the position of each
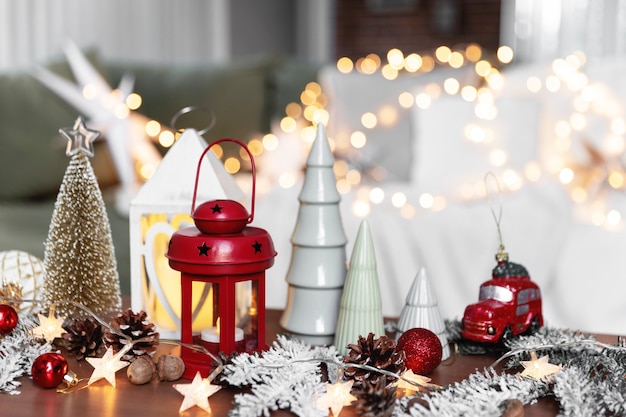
(229, 258)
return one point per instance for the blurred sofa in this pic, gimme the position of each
(245, 95)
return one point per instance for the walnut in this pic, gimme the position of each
(170, 367)
(141, 370)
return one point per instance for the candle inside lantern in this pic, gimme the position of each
(210, 338)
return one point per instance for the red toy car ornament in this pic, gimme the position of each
(508, 305)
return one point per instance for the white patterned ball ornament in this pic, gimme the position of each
(26, 270)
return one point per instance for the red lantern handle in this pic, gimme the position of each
(245, 147)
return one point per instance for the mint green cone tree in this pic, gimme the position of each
(361, 306)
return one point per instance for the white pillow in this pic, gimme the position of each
(351, 95)
(445, 160)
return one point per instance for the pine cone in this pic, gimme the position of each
(224, 360)
(379, 353)
(137, 327)
(83, 337)
(375, 399)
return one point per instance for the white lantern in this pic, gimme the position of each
(161, 207)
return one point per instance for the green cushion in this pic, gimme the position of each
(32, 153)
(235, 92)
(245, 96)
(286, 83)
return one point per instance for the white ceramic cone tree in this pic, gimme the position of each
(421, 310)
(361, 306)
(318, 261)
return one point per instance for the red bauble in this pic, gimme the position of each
(8, 318)
(49, 370)
(422, 349)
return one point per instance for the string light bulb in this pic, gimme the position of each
(566, 75)
(538, 368)
(196, 393)
(106, 366)
(49, 327)
(336, 397)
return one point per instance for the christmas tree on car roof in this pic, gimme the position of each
(79, 257)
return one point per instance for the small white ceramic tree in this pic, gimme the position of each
(421, 310)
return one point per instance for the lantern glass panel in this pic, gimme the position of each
(246, 293)
(160, 283)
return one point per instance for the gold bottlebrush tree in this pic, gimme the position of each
(79, 257)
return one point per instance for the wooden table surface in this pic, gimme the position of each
(158, 399)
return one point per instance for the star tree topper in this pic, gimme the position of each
(79, 138)
(197, 393)
(106, 366)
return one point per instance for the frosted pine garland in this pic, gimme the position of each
(593, 379)
(289, 392)
(591, 383)
(18, 350)
(287, 376)
(481, 394)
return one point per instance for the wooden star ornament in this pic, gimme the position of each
(538, 368)
(106, 366)
(49, 327)
(336, 397)
(197, 393)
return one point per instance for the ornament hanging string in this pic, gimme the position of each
(189, 109)
(501, 255)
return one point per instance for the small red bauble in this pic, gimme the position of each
(49, 370)
(422, 349)
(8, 318)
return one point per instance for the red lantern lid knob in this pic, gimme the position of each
(220, 217)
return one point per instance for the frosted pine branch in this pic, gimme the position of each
(289, 392)
(18, 351)
(593, 383)
(560, 345)
(481, 394)
(287, 376)
(574, 391)
(285, 356)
